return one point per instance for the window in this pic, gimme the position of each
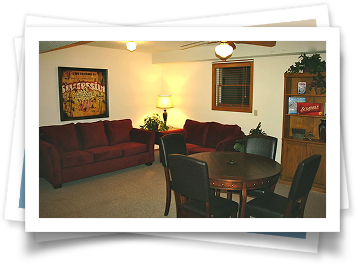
(232, 86)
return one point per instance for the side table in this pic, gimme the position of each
(160, 134)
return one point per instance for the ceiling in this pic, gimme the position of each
(170, 51)
(158, 46)
(142, 46)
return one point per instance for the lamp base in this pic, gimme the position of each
(164, 115)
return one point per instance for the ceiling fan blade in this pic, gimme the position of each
(196, 44)
(60, 46)
(260, 43)
(232, 44)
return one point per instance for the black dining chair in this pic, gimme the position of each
(272, 205)
(193, 196)
(262, 145)
(170, 144)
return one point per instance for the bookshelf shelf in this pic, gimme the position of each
(306, 116)
(306, 95)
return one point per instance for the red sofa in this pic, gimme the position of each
(74, 151)
(209, 136)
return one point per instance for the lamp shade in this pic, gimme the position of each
(131, 46)
(224, 50)
(164, 102)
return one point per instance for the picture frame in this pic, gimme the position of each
(83, 93)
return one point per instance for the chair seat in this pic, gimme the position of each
(220, 207)
(271, 205)
(256, 193)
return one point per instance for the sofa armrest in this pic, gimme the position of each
(50, 164)
(144, 137)
(227, 144)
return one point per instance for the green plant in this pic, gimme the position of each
(239, 145)
(257, 130)
(314, 65)
(318, 81)
(154, 123)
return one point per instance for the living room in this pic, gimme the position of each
(135, 79)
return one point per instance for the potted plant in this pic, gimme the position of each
(154, 123)
(319, 83)
(313, 65)
(239, 145)
(257, 131)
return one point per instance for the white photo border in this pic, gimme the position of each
(35, 224)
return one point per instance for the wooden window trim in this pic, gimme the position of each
(247, 109)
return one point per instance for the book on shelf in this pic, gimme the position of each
(301, 87)
(325, 109)
(293, 104)
(315, 109)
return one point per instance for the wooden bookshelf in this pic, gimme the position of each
(294, 150)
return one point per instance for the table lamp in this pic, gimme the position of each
(164, 102)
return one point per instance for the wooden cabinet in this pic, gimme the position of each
(294, 150)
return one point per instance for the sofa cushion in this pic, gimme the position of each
(196, 132)
(193, 149)
(76, 158)
(105, 152)
(118, 131)
(63, 137)
(131, 148)
(218, 132)
(91, 134)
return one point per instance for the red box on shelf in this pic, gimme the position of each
(315, 109)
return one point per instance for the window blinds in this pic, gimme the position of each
(232, 86)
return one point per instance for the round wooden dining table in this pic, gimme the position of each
(235, 171)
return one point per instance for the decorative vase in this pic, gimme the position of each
(322, 131)
(318, 90)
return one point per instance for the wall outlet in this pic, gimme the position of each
(255, 112)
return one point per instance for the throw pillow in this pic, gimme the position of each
(196, 132)
(118, 131)
(92, 134)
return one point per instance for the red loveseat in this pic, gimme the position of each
(74, 151)
(209, 136)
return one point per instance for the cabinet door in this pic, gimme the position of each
(293, 153)
(320, 179)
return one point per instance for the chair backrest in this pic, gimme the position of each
(190, 177)
(173, 143)
(261, 145)
(304, 177)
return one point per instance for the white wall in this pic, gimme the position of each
(134, 82)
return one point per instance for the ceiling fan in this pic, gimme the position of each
(225, 48)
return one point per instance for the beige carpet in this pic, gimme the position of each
(137, 192)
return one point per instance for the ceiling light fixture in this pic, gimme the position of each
(224, 50)
(131, 46)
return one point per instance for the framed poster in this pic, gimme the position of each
(83, 93)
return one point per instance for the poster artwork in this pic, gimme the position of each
(83, 93)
